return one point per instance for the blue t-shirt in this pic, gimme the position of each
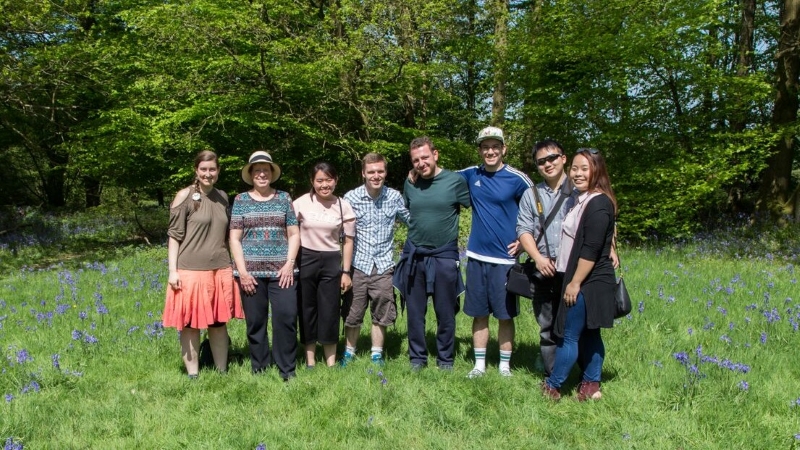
(495, 204)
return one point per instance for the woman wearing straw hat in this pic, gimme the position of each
(264, 240)
(201, 292)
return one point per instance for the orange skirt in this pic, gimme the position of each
(206, 297)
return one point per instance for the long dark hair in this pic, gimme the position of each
(599, 180)
(203, 156)
(326, 168)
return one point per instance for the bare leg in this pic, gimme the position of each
(480, 332)
(218, 338)
(351, 336)
(378, 335)
(330, 354)
(505, 334)
(311, 354)
(190, 343)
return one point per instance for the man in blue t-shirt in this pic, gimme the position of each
(495, 189)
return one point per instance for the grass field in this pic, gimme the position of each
(707, 359)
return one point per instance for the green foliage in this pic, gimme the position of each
(123, 94)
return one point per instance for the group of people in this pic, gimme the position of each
(298, 257)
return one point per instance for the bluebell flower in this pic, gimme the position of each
(56, 363)
(763, 337)
(261, 446)
(9, 397)
(682, 357)
(744, 385)
(23, 356)
(690, 331)
(76, 335)
(641, 307)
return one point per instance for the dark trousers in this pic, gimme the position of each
(320, 307)
(445, 304)
(546, 300)
(284, 326)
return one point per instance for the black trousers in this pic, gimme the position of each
(320, 297)
(284, 326)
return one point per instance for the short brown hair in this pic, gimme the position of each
(421, 142)
(372, 158)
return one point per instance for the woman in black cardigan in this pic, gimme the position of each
(586, 264)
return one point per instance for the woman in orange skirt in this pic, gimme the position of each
(201, 292)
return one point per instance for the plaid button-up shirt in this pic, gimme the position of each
(375, 219)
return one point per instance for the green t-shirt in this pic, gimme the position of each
(434, 205)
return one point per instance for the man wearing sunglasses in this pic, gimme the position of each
(542, 248)
(495, 189)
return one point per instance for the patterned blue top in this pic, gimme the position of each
(264, 239)
(375, 220)
(495, 197)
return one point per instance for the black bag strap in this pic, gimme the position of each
(540, 213)
(566, 191)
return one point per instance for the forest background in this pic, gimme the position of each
(693, 102)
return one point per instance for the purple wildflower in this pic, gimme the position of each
(744, 385)
(261, 446)
(682, 357)
(56, 363)
(763, 337)
(23, 356)
(89, 339)
(641, 307)
(82, 315)
(76, 335)
(9, 397)
(690, 331)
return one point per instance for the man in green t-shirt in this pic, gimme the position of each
(429, 264)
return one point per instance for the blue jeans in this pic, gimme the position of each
(578, 344)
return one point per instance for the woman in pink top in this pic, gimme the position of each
(327, 227)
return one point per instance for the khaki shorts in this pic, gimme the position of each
(377, 288)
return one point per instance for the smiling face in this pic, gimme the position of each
(324, 185)
(581, 172)
(374, 175)
(492, 152)
(424, 161)
(550, 163)
(207, 172)
(261, 174)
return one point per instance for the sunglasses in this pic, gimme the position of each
(547, 159)
(593, 151)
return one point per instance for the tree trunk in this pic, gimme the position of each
(776, 178)
(500, 62)
(745, 58)
(92, 189)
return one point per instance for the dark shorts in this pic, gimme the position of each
(377, 288)
(486, 291)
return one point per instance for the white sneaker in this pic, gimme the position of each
(475, 373)
(505, 372)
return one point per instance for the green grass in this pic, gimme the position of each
(129, 390)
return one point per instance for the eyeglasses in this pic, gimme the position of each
(593, 151)
(495, 147)
(548, 159)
